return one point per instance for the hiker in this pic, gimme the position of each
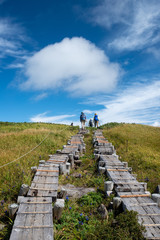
(82, 120)
(96, 120)
(90, 123)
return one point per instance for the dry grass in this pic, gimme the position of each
(139, 145)
(16, 140)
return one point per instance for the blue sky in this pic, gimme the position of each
(61, 57)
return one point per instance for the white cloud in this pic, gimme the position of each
(156, 124)
(138, 104)
(42, 117)
(12, 38)
(15, 65)
(88, 111)
(138, 22)
(41, 96)
(74, 65)
(111, 12)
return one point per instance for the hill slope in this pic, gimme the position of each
(139, 145)
(16, 139)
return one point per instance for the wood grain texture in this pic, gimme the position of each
(34, 220)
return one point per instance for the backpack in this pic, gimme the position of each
(83, 117)
(96, 118)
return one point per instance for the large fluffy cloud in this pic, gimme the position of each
(138, 22)
(75, 65)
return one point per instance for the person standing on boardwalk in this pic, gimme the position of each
(82, 120)
(96, 120)
(90, 123)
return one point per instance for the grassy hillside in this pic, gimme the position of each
(138, 145)
(17, 139)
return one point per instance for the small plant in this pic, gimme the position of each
(93, 198)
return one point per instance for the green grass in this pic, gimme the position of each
(16, 140)
(88, 170)
(139, 145)
(81, 220)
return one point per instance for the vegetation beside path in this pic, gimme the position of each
(17, 139)
(139, 145)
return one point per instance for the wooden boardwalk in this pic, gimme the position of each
(45, 182)
(75, 145)
(101, 145)
(34, 219)
(133, 193)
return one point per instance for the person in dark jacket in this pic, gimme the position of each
(90, 123)
(83, 120)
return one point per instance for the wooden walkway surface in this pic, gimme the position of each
(101, 145)
(45, 182)
(133, 193)
(34, 219)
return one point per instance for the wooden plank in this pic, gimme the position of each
(144, 204)
(130, 183)
(45, 182)
(46, 175)
(43, 189)
(102, 141)
(42, 193)
(34, 212)
(112, 164)
(119, 178)
(152, 225)
(128, 188)
(136, 195)
(25, 227)
(44, 170)
(117, 170)
(71, 146)
(37, 202)
(47, 165)
(149, 214)
(56, 161)
(59, 156)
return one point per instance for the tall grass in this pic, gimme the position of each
(17, 139)
(139, 145)
(80, 219)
